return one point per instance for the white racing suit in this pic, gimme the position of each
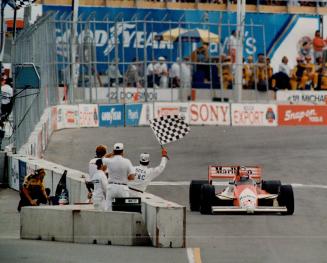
(100, 182)
(143, 176)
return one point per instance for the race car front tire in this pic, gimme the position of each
(194, 194)
(286, 198)
(207, 199)
(271, 186)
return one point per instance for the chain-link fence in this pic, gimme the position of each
(36, 44)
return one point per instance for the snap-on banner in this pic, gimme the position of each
(67, 116)
(88, 115)
(111, 115)
(310, 115)
(254, 114)
(133, 114)
(209, 113)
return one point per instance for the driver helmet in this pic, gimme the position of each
(243, 173)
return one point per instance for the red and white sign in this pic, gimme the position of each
(146, 113)
(209, 113)
(254, 114)
(67, 116)
(302, 115)
(173, 108)
(88, 115)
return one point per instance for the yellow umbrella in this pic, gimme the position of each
(171, 34)
(196, 35)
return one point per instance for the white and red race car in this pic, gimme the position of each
(245, 192)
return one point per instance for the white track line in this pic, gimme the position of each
(187, 183)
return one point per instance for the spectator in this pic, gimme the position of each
(144, 175)
(281, 80)
(313, 77)
(175, 74)
(100, 183)
(120, 171)
(161, 72)
(249, 73)
(201, 56)
(227, 73)
(261, 73)
(33, 192)
(151, 76)
(299, 75)
(7, 94)
(318, 45)
(270, 72)
(132, 75)
(232, 46)
(114, 75)
(186, 74)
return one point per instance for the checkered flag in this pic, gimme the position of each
(23, 3)
(169, 128)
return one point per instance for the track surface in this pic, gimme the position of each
(293, 155)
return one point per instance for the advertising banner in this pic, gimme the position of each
(302, 97)
(67, 116)
(209, 113)
(254, 114)
(14, 178)
(53, 119)
(88, 115)
(131, 95)
(302, 115)
(147, 113)
(133, 114)
(111, 115)
(173, 108)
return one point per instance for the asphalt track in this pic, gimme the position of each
(295, 155)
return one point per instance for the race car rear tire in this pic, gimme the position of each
(271, 186)
(194, 194)
(207, 198)
(286, 198)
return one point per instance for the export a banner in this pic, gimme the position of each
(302, 115)
(254, 114)
(67, 116)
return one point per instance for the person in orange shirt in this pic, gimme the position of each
(318, 45)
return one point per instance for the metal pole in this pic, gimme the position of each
(239, 50)
(73, 48)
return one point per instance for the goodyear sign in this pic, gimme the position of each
(111, 115)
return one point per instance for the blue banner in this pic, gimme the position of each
(22, 173)
(111, 115)
(133, 114)
(136, 39)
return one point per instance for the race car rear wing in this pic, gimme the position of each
(229, 172)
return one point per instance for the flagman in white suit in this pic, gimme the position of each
(100, 183)
(144, 175)
(120, 171)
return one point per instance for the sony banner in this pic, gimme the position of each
(309, 115)
(209, 113)
(88, 115)
(302, 97)
(67, 116)
(254, 114)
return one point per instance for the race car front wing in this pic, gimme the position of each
(258, 209)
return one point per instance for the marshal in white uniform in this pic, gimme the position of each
(100, 182)
(144, 175)
(120, 172)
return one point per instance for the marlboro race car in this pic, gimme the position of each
(246, 192)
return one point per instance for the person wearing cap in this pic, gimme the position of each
(100, 183)
(299, 75)
(33, 191)
(120, 171)
(175, 74)
(161, 73)
(144, 174)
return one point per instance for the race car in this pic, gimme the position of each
(245, 192)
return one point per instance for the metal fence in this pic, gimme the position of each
(36, 44)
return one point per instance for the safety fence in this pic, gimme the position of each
(293, 109)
